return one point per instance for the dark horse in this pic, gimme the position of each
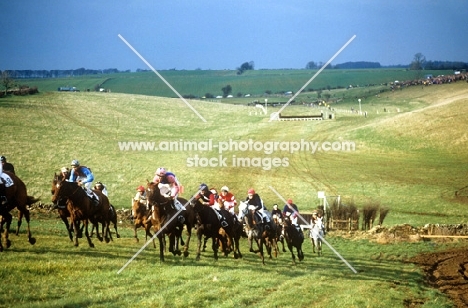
(17, 198)
(294, 239)
(209, 226)
(164, 219)
(264, 234)
(82, 208)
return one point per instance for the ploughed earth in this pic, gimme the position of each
(446, 271)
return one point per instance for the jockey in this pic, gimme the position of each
(256, 203)
(5, 181)
(65, 172)
(141, 196)
(101, 187)
(168, 179)
(208, 198)
(227, 199)
(277, 212)
(7, 166)
(84, 177)
(290, 210)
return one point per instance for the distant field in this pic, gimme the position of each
(200, 82)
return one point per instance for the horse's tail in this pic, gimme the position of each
(31, 200)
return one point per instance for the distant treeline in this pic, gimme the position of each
(428, 65)
(26, 74)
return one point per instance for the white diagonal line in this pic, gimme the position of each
(316, 74)
(162, 78)
(157, 233)
(302, 218)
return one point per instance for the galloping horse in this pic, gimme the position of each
(141, 218)
(210, 226)
(163, 215)
(294, 238)
(279, 231)
(317, 232)
(61, 205)
(264, 234)
(82, 208)
(17, 198)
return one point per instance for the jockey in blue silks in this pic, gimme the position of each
(83, 176)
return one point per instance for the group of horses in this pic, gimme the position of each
(159, 215)
(159, 218)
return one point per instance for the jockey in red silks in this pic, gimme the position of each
(168, 180)
(208, 198)
(256, 203)
(227, 200)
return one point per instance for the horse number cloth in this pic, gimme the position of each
(7, 180)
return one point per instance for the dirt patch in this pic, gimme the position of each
(448, 272)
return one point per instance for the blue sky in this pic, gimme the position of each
(214, 34)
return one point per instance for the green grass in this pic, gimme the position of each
(411, 162)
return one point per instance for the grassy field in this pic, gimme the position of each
(200, 82)
(411, 161)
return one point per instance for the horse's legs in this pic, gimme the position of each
(135, 233)
(67, 225)
(199, 243)
(90, 243)
(187, 241)
(31, 239)
(161, 247)
(20, 220)
(215, 246)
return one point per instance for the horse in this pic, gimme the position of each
(17, 197)
(264, 234)
(317, 232)
(141, 218)
(209, 226)
(82, 208)
(61, 206)
(279, 231)
(163, 215)
(294, 239)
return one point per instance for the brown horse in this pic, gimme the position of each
(81, 208)
(61, 205)
(18, 198)
(141, 218)
(263, 234)
(164, 221)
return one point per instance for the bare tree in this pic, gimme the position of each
(419, 61)
(6, 81)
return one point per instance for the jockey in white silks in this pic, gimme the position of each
(5, 181)
(170, 188)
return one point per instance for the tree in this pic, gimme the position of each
(226, 90)
(311, 65)
(6, 81)
(245, 67)
(418, 63)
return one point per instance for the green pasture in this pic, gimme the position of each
(200, 82)
(410, 158)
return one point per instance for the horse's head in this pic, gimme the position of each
(243, 210)
(153, 194)
(63, 190)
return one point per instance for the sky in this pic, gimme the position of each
(216, 34)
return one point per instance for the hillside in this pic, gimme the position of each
(411, 162)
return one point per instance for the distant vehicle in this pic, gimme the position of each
(69, 89)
